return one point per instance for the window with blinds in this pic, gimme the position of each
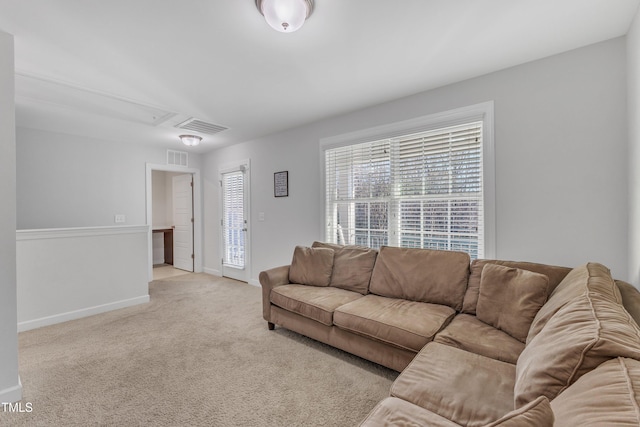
(423, 190)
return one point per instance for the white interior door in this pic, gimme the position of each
(183, 222)
(234, 223)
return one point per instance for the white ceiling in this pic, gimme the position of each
(128, 70)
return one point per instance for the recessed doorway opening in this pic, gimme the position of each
(173, 198)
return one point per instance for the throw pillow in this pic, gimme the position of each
(352, 266)
(537, 413)
(510, 298)
(311, 266)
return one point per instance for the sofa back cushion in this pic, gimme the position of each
(424, 275)
(606, 396)
(591, 278)
(510, 298)
(580, 336)
(311, 266)
(554, 273)
(630, 299)
(352, 266)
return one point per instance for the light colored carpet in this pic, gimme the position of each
(199, 354)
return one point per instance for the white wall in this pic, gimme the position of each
(633, 78)
(70, 181)
(80, 272)
(10, 388)
(561, 166)
(159, 190)
(162, 186)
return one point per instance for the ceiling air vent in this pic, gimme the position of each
(201, 127)
(177, 158)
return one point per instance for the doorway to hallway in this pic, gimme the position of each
(173, 199)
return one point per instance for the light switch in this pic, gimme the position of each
(260, 216)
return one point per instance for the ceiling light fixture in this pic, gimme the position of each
(285, 16)
(190, 140)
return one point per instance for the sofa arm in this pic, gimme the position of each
(269, 279)
(630, 299)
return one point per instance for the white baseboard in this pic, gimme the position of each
(215, 272)
(78, 314)
(12, 394)
(212, 271)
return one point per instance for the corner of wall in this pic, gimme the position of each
(633, 111)
(10, 387)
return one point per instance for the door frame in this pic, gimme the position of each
(232, 167)
(197, 212)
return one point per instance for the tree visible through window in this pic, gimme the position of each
(422, 190)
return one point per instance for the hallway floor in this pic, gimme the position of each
(163, 271)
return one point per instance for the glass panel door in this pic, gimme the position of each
(234, 225)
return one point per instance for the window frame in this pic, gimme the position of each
(479, 112)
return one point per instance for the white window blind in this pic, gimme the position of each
(421, 190)
(358, 194)
(233, 223)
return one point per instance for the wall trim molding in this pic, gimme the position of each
(78, 314)
(60, 273)
(58, 233)
(212, 271)
(216, 272)
(12, 394)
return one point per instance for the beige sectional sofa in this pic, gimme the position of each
(477, 343)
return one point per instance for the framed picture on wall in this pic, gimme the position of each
(281, 184)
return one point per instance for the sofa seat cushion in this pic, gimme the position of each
(392, 411)
(311, 266)
(463, 387)
(591, 278)
(536, 414)
(468, 333)
(352, 266)
(424, 275)
(580, 336)
(317, 303)
(405, 324)
(607, 396)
